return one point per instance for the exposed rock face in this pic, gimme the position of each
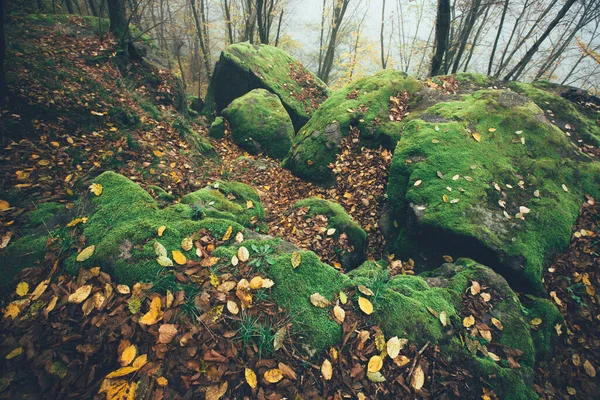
(260, 124)
(488, 177)
(374, 104)
(243, 67)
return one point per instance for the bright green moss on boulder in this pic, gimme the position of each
(364, 104)
(260, 124)
(234, 201)
(243, 67)
(338, 219)
(583, 122)
(217, 128)
(26, 252)
(447, 190)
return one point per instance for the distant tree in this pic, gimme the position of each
(202, 32)
(119, 25)
(3, 85)
(327, 54)
(442, 34)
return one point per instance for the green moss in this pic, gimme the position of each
(43, 215)
(160, 193)
(507, 383)
(480, 80)
(26, 252)
(217, 128)
(243, 67)
(475, 224)
(228, 200)
(582, 121)
(260, 124)
(317, 143)
(543, 335)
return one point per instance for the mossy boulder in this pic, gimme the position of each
(234, 201)
(260, 124)
(217, 128)
(243, 67)
(580, 122)
(338, 219)
(487, 177)
(364, 104)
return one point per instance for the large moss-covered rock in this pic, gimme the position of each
(487, 177)
(580, 122)
(243, 67)
(260, 124)
(338, 219)
(364, 104)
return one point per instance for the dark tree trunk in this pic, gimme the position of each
(3, 85)
(464, 37)
(118, 19)
(40, 5)
(201, 39)
(279, 28)
(476, 38)
(527, 57)
(504, 9)
(442, 31)
(93, 8)
(381, 38)
(338, 16)
(69, 6)
(228, 21)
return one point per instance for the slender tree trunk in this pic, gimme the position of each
(321, 38)
(495, 45)
(178, 47)
(69, 4)
(93, 8)
(338, 17)
(279, 27)
(464, 37)
(442, 31)
(227, 9)
(3, 85)
(40, 4)
(527, 57)
(200, 33)
(412, 45)
(78, 7)
(476, 38)
(381, 36)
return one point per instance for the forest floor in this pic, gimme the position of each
(72, 116)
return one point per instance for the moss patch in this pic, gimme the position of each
(364, 104)
(338, 219)
(455, 208)
(260, 124)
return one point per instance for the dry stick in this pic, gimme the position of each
(414, 363)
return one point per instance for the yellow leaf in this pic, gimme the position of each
(187, 244)
(243, 254)
(365, 290)
(296, 259)
(343, 298)
(418, 378)
(318, 300)
(375, 364)
(40, 289)
(233, 307)
(365, 305)
(327, 369)
(22, 288)
(162, 381)
(161, 230)
(214, 280)
(249, 204)
(14, 353)
(469, 321)
(589, 368)
(536, 321)
(158, 153)
(497, 323)
(96, 188)
(140, 361)
(394, 345)
(128, 356)
(4, 205)
(154, 315)
(120, 389)
(179, 257)
(339, 313)
(477, 136)
(446, 198)
(121, 372)
(492, 130)
(51, 305)
(251, 379)
(123, 289)
(256, 283)
(227, 234)
(443, 318)
(164, 261)
(86, 253)
(80, 294)
(273, 375)
(75, 222)
(215, 392)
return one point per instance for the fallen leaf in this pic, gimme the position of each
(589, 368)
(279, 338)
(365, 305)
(121, 372)
(443, 318)
(22, 288)
(4, 205)
(256, 283)
(497, 324)
(161, 230)
(154, 315)
(365, 290)
(187, 244)
(16, 352)
(339, 313)
(96, 188)
(162, 381)
(273, 375)
(469, 321)
(232, 307)
(327, 370)
(128, 355)
(80, 294)
(418, 378)
(375, 364)
(178, 257)
(251, 379)
(318, 300)
(296, 259)
(243, 254)
(164, 261)
(376, 377)
(86, 253)
(477, 136)
(40, 289)
(343, 298)
(228, 233)
(123, 289)
(166, 333)
(536, 321)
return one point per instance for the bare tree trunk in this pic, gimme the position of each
(412, 45)
(527, 57)
(118, 19)
(442, 31)
(93, 8)
(381, 36)
(227, 9)
(476, 38)
(464, 36)
(78, 7)
(495, 45)
(178, 47)
(40, 4)
(200, 32)
(69, 4)
(339, 11)
(3, 85)
(321, 38)
(279, 27)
